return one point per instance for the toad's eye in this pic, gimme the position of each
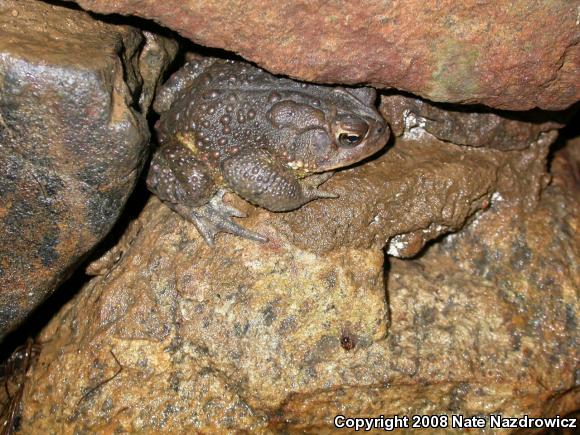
(348, 140)
(350, 130)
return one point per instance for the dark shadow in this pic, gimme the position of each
(386, 272)
(570, 131)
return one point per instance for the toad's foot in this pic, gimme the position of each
(311, 183)
(215, 217)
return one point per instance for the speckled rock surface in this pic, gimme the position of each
(474, 51)
(185, 321)
(72, 144)
(173, 336)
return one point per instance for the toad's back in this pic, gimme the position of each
(232, 105)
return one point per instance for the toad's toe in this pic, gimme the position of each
(216, 217)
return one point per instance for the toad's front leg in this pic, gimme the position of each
(257, 176)
(184, 183)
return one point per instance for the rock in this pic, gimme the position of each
(155, 58)
(464, 126)
(471, 52)
(423, 187)
(174, 336)
(258, 315)
(72, 144)
(484, 322)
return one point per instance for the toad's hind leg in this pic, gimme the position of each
(184, 183)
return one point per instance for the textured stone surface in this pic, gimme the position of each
(72, 144)
(155, 58)
(173, 336)
(470, 126)
(184, 320)
(505, 54)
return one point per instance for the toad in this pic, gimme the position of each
(229, 126)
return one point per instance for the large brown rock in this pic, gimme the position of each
(505, 54)
(173, 336)
(73, 139)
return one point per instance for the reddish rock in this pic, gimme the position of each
(505, 54)
(72, 144)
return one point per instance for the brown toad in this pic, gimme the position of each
(229, 125)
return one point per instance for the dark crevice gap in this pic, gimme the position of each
(570, 131)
